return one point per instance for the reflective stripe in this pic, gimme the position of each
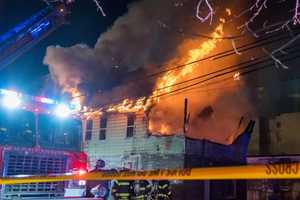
(165, 195)
(124, 183)
(162, 195)
(139, 197)
(163, 186)
(122, 194)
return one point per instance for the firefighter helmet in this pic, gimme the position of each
(100, 163)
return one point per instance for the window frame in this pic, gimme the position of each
(130, 126)
(102, 128)
(88, 130)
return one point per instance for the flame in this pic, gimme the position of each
(164, 85)
(163, 129)
(228, 11)
(128, 105)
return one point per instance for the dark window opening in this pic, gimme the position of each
(89, 130)
(130, 125)
(103, 126)
(102, 135)
(130, 120)
(130, 131)
(103, 122)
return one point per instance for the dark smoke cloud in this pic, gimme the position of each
(137, 42)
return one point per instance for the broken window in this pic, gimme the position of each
(103, 126)
(89, 130)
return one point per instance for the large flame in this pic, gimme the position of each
(164, 85)
(170, 78)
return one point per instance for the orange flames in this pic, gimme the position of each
(164, 84)
(128, 105)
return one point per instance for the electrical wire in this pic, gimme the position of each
(258, 43)
(246, 47)
(225, 73)
(267, 63)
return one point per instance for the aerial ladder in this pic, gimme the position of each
(27, 34)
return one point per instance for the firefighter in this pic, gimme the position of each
(163, 190)
(98, 188)
(122, 189)
(141, 189)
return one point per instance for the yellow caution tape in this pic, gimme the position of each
(269, 171)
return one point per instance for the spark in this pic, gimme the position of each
(228, 11)
(236, 76)
(210, 11)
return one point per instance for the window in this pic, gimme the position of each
(89, 130)
(103, 125)
(130, 125)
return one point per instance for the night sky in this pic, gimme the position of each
(85, 26)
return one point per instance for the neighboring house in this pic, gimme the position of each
(123, 140)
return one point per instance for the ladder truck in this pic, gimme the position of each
(38, 135)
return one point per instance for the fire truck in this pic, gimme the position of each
(38, 135)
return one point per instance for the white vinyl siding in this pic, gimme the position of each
(117, 145)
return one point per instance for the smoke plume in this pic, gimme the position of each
(152, 35)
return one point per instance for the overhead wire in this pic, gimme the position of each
(271, 64)
(223, 54)
(246, 47)
(213, 75)
(256, 61)
(258, 43)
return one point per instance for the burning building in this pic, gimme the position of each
(152, 59)
(133, 83)
(171, 64)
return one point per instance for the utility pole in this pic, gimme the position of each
(185, 116)
(264, 135)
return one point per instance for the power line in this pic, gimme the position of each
(250, 63)
(246, 47)
(216, 56)
(268, 62)
(222, 74)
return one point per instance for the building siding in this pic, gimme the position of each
(150, 152)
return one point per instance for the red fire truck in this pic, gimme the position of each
(38, 136)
